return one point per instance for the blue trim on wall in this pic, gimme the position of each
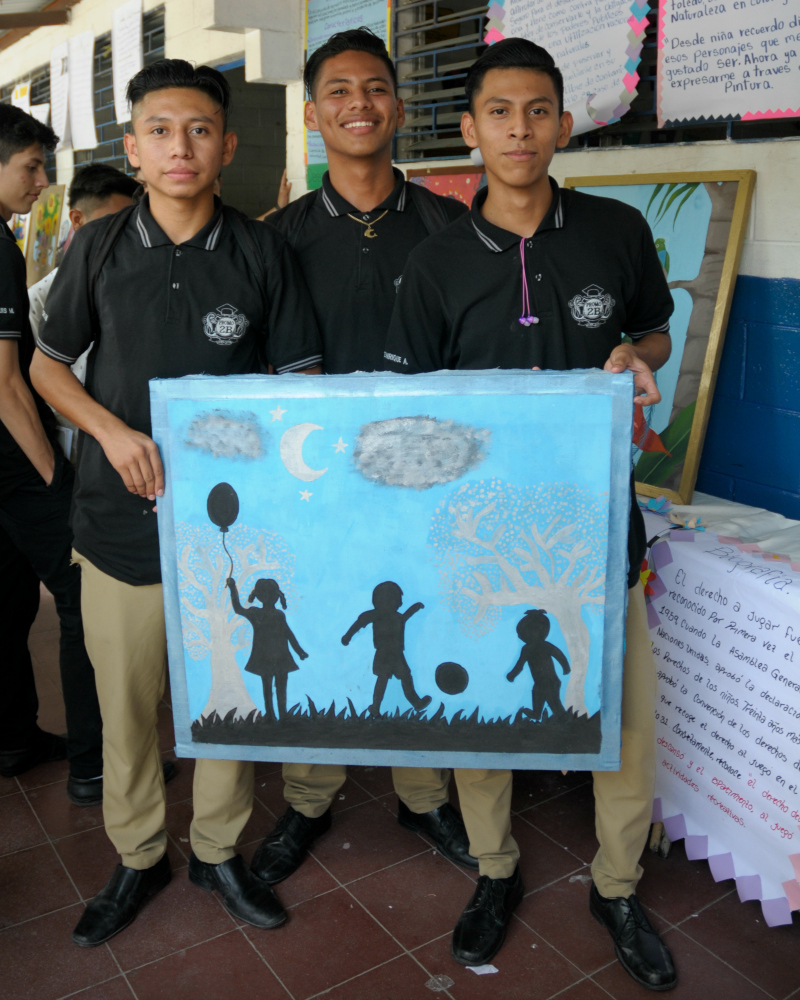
(752, 447)
(230, 65)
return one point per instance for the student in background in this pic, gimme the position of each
(35, 495)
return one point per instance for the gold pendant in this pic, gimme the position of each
(370, 232)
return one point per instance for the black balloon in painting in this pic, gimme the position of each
(223, 506)
(451, 678)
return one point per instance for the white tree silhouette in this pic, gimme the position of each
(501, 546)
(210, 626)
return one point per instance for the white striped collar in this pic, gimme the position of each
(498, 240)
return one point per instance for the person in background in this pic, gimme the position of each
(284, 193)
(352, 237)
(35, 496)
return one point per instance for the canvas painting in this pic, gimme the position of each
(43, 236)
(698, 222)
(460, 183)
(397, 570)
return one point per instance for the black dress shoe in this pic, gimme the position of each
(45, 748)
(641, 952)
(243, 895)
(445, 828)
(279, 854)
(481, 928)
(118, 902)
(89, 791)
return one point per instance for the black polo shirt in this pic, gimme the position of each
(593, 275)
(353, 278)
(165, 311)
(14, 325)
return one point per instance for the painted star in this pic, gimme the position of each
(305, 495)
(277, 413)
(339, 446)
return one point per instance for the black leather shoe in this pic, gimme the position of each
(279, 854)
(243, 895)
(118, 902)
(445, 828)
(89, 791)
(47, 747)
(481, 928)
(641, 952)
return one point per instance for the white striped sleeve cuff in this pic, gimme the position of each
(664, 328)
(300, 366)
(51, 352)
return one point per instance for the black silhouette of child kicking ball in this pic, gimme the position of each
(269, 657)
(538, 653)
(388, 636)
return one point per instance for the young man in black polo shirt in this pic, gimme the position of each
(352, 237)
(178, 261)
(539, 277)
(35, 495)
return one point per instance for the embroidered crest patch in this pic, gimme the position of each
(592, 307)
(225, 325)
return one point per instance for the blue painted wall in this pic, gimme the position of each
(752, 448)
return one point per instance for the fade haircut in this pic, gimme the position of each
(95, 183)
(513, 53)
(167, 73)
(354, 40)
(19, 131)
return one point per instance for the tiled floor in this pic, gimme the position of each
(370, 913)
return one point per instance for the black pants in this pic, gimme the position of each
(36, 544)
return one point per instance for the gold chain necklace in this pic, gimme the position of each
(370, 233)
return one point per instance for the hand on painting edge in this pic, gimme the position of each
(625, 358)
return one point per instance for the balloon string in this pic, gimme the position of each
(227, 553)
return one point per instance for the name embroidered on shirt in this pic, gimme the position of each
(225, 325)
(395, 357)
(592, 307)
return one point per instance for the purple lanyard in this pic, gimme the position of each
(526, 318)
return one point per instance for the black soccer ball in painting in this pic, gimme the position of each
(223, 506)
(451, 678)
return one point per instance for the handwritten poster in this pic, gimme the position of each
(126, 53)
(597, 47)
(723, 59)
(59, 94)
(725, 626)
(21, 96)
(81, 91)
(323, 19)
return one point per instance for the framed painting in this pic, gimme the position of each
(392, 569)
(460, 183)
(43, 233)
(698, 221)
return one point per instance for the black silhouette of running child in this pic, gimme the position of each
(538, 653)
(388, 637)
(269, 657)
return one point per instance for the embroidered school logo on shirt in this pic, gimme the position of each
(592, 307)
(225, 326)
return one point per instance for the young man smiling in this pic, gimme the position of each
(352, 238)
(515, 285)
(147, 286)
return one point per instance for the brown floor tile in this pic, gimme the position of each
(534, 787)
(417, 900)
(59, 816)
(8, 786)
(584, 990)
(166, 732)
(376, 840)
(736, 932)
(45, 774)
(375, 780)
(524, 972)
(541, 861)
(54, 967)
(180, 788)
(266, 767)
(569, 820)
(19, 827)
(177, 918)
(32, 883)
(400, 979)
(343, 940)
(114, 989)
(675, 887)
(216, 970)
(308, 881)
(700, 976)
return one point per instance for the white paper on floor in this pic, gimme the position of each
(483, 970)
(439, 983)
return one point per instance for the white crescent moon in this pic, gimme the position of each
(292, 452)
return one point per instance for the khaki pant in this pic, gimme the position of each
(310, 788)
(126, 641)
(623, 799)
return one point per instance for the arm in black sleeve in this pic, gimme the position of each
(419, 328)
(293, 340)
(13, 290)
(651, 305)
(66, 330)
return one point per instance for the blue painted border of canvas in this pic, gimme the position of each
(588, 382)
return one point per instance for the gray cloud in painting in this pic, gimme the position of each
(227, 435)
(418, 452)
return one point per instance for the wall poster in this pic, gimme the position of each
(43, 232)
(698, 222)
(374, 569)
(460, 183)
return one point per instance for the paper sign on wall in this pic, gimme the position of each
(21, 96)
(126, 53)
(59, 94)
(81, 91)
(720, 60)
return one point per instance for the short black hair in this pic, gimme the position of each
(96, 182)
(354, 40)
(19, 130)
(167, 73)
(513, 53)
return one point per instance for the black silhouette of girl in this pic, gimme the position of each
(538, 653)
(388, 637)
(269, 657)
